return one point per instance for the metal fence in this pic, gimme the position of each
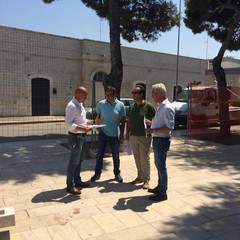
(214, 113)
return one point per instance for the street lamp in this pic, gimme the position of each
(178, 44)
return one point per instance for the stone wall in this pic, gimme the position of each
(68, 62)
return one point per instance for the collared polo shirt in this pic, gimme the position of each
(136, 114)
(112, 113)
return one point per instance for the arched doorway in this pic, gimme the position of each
(40, 97)
(97, 89)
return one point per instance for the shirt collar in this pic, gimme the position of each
(77, 102)
(164, 102)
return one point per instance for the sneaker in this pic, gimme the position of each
(146, 185)
(73, 190)
(95, 177)
(137, 180)
(118, 178)
(82, 185)
(158, 198)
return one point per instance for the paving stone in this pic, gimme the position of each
(108, 222)
(87, 228)
(200, 202)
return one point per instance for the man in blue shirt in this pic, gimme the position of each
(161, 127)
(112, 113)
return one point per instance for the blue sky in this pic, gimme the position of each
(72, 19)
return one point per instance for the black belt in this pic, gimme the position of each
(78, 134)
(161, 137)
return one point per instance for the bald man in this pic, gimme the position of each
(77, 126)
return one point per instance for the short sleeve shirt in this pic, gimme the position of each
(112, 114)
(136, 114)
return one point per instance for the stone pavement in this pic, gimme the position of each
(204, 202)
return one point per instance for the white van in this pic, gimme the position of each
(202, 104)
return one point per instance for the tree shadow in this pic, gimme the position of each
(216, 219)
(206, 155)
(31, 138)
(25, 161)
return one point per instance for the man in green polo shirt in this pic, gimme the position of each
(140, 142)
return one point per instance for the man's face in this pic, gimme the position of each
(82, 96)
(155, 96)
(136, 94)
(109, 94)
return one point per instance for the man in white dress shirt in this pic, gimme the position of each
(77, 126)
(161, 127)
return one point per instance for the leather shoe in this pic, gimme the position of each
(95, 177)
(153, 190)
(158, 198)
(137, 180)
(73, 190)
(82, 185)
(118, 178)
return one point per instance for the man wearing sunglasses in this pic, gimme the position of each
(140, 141)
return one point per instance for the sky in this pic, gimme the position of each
(71, 18)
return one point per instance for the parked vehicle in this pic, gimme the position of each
(201, 104)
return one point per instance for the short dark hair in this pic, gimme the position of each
(142, 89)
(110, 88)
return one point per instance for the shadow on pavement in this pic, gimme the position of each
(31, 138)
(111, 185)
(136, 204)
(57, 195)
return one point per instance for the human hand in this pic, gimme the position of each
(99, 120)
(148, 130)
(148, 122)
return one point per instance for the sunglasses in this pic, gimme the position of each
(136, 92)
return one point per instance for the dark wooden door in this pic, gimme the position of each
(40, 97)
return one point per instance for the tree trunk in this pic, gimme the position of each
(223, 97)
(116, 73)
(221, 79)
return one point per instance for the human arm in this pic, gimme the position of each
(73, 119)
(163, 121)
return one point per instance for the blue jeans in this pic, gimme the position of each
(114, 144)
(160, 149)
(76, 145)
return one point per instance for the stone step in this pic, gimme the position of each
(7, 217)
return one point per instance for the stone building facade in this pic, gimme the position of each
(231, 68)
(39, 72)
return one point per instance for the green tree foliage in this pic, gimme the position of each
(221, 20)
(139, 19)
(132, 20)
